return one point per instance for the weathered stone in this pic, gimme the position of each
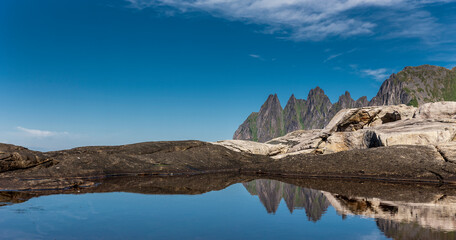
(414, 132)
(14, 158)
(253, 147)
(355, 119)
(368, 127)
(343, 141)
(299, 140)
(448, 151)
(437, 110)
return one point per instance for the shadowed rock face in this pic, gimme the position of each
(266, 124)
(293, 113)
(270, 119)
(411, 86)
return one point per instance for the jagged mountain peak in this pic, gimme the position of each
(292, 98)
(273, 97)
(291, 101)
(363, 98)
(412, 86)
(346, 97)
(317, 91)
(272, 102)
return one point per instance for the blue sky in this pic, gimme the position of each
(98, 72)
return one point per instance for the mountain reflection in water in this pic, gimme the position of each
(396, 219)
(271, 193)
(153, 206)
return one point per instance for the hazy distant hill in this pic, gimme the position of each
(411, 86)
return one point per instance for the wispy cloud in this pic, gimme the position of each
(40, 133)
(379, 75)
(256, 56)
(336, 55)
(261, 58)
(333, 56)
(304, 20)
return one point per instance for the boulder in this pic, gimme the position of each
(343, 141)
(411, 132)
(299, 140)
(15, 157)
(437, 110)
(361, 128)
(358, 118)
(253, 147)
(448, 151)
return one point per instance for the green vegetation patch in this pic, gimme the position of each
(449, 92)
(413, 102)
(252, 119)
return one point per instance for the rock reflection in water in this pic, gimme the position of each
(271, 193)
(401, 211)
(410, 230)
(439, 214)
(396, 219)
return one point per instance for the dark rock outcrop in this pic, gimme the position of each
(264, 125)
(76, 167)
(270, 119)
(317, 109)
(15, 158)
(293, 113)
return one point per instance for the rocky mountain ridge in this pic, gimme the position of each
(412, 86)
(431, 125)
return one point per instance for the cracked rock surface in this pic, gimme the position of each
(432, 124)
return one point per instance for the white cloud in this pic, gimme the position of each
(256, 56)
(336, 55)
(379, 75)
(40, 133)
(333, 56)
(316, 19)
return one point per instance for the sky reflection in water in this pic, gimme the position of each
(261, 209)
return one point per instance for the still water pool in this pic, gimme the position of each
(260, 209)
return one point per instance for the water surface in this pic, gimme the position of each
(259, 209)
